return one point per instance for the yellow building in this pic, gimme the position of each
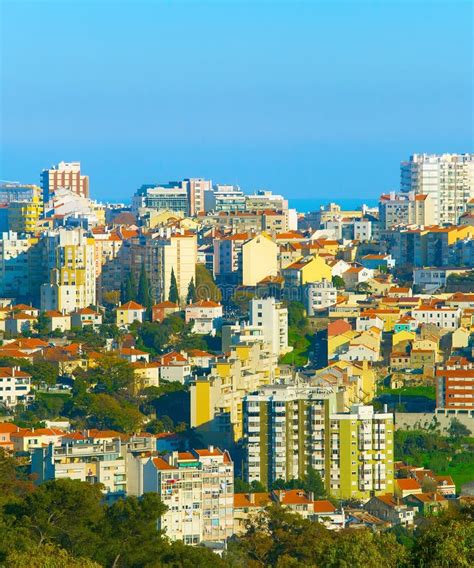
(359, 453)
(23, 216)
(307, 269)
(259, 259)
(130, 312)
(402, 336)
(389, 316)
(216, 400)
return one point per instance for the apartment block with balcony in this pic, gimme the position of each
(359, 449)
(285, 429)
(198, 489)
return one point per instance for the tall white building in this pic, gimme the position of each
(198, 489)
(447, 178)
(272, 317)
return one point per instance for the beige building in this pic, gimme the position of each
(406, 209)
(259, 259)
(70, 262)
(216, 400)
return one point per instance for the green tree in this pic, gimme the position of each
(191, 296)
(42, 324)
(314, 483)
(206, 287)
(338, 282)
(458, 430)
(129, 531)
(112, 374)
(144, 292)
(106, 412)
(64, 512)
(46, 556)
(173, 295)
(129, 289)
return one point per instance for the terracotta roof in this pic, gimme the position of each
(160, 463)
(204, 304)
(131, 306)
(166, 304)
(207, 453)
(292, 497)
(7, 372)
(338, 327)
(8, 427)
(408, 484)
(323, 506)
(243, 500)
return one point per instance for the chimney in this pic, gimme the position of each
(211, 449)
(252, 498)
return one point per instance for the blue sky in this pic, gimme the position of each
(312, 99)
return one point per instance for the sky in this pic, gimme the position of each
(309, 99)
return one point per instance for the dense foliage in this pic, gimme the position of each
(67, 523)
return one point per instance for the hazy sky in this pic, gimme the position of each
(316, 98)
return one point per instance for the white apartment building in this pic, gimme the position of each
(99, 461)
(15, 387)
(443, 317)
(284, 431)
(225, 198)
(447, 178)
(64, 175)
(264, 199)
(272, 317)
(406, 209)
(198, 489)
(319, 296)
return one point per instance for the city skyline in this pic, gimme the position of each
(233, 101)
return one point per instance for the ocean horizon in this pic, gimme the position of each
(307, 204)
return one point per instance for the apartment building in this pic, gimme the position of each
(64, 175)
(264, 199)
(259, 259)
(225, 198)
(405, 209)
(440, 316)
(447, 178)
(216, 400)
(319, 296)
(21, 266)
(70, 262)
(455, 387)
(359, 450)
(163, 253)
(272, 317)
(284, 431)
(15, 387)
(95, 461)
(198, 489)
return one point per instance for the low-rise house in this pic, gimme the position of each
(446, 486)
(58, 321)
(199, 358)
(427, 503)
(360, 519)
(360, 353)
(380, 262)
(206, 316)
(25, 440)
(356, 275)
(174, 367)
(19, 323)
(85, 317)
(407, 486)
(6, 430)
(15, 387)
(246, 507)
(133, 355)
(130, 312)
(145, 375)
(405, 323)
(391, 509)
(160, 311)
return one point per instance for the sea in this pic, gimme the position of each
(307, 204)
